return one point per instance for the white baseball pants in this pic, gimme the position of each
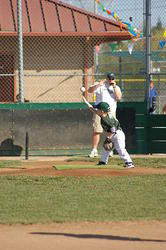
(119, 144)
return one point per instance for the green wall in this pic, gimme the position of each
(149, 134)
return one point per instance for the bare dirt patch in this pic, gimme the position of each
(85, 236)
(48, 168)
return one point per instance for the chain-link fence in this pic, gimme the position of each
(56, 64)
(158, 58)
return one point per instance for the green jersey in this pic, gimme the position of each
(110, 124)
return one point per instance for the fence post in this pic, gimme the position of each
(26, 146)
(20, 50)
(148, 51)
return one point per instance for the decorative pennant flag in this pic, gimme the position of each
(120, 24)
(162, 44)
(108, 12)
(113, 46)
(164, 33)
(127, 24)
(130, 47)
(103, 8)
(132, 30)
(113, 14)
(141, 35)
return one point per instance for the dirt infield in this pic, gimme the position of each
(83, 236)
(48, 168)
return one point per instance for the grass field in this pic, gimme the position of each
(35, 199)
(116, 162)
(10, 164)
(61, 199)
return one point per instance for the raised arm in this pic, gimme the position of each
(93, 87)
(96, 111)
(88, 104)
(117, 92)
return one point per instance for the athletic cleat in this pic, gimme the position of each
(101, 163)
(129, 165)
(93, 153)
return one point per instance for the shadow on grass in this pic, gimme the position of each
(97, 236)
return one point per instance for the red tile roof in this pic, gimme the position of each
(55, 18)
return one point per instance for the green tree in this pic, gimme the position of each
(158, 27)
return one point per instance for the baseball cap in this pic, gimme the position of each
(103, 106)
(111, 76)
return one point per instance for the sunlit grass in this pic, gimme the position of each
(61, 199)
(10, 164)
(116, 162)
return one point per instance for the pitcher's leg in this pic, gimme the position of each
(119, 144)
(104, 157)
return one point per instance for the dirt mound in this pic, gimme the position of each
(48, 168)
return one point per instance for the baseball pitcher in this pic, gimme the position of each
(115, 137)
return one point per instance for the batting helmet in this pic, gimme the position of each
(103, 106)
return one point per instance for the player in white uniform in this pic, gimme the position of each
(105, 91)
(114, 133)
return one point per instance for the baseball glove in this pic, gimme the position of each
(108, 144)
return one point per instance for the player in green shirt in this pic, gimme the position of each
(113, 132)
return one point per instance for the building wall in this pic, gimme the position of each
(53, 67)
